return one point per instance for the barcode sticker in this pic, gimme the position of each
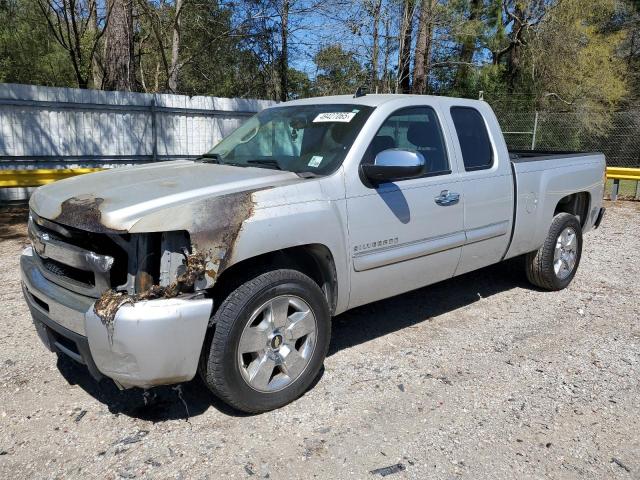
(334, 117)
(315, 161)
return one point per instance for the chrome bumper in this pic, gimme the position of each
(155, 342)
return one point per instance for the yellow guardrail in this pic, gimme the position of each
(621, 173)
(37, 177)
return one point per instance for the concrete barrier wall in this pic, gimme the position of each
(46, 127)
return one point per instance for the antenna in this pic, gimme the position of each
(360, 92)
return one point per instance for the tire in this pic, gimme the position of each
(542, 265)
(239, 378)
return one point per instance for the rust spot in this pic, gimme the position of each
(84, 212)
(107, 306)
(194, 269)
(239, 213)
(225, 216)
(217, 222)
(144, 281)
(110, 301)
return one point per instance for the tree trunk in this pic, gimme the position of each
(374, 53)
(157, 78)
(119, 62)
(513, 68)
(284, 61)
(423, 47)
(92, 26)
(74, 42)
(175, 48)
(387, 56)
(468, 46)
(403, 81)
(513, 57)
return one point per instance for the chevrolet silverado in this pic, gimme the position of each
(232, 265)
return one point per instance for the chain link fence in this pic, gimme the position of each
(617, 135)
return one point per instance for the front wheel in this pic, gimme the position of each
(554, 265)
(271, 337)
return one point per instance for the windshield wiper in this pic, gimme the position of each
(209, 158)
(217, 159)
(307, 174)
(267, 163)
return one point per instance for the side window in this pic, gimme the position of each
(415, 129)
(477, 153)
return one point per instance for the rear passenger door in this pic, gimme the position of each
(486, 184)
(401, 236)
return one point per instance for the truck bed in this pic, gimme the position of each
(541, 180)
(519, 156)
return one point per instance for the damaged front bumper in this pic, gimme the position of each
(154, 342)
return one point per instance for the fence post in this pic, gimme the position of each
(614, 189)
(535, 131)
(638, 190)
(154, 129)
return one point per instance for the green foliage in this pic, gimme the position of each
(212, 61)
(571, 55)
(339, 72)
(630, 51)
(300, 86)
(217, 64)
(573, 61)
(28, 53)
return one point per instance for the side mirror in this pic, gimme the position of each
(394, 164)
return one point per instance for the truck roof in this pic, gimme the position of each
(372, 100)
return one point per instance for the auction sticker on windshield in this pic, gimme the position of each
(334, 117)
(315, 161)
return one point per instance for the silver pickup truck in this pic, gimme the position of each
(232, 266)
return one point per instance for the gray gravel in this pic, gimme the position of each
(477, 377)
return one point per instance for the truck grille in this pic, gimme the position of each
(62, 270)
(84, 262)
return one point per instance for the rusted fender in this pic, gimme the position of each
(231, 214)
(236, 227)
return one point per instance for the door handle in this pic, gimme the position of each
(447, 198)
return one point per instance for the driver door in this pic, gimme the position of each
(406, 234)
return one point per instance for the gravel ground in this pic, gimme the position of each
(477, 377)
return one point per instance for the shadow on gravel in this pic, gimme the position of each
(159, 404)
(349, 329)
(386, 316)
(13, 221)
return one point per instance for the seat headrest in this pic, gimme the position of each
(382, 142)
(422, 135)
(339, 132)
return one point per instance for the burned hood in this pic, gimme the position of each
(116, 200)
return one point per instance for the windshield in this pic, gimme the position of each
(312, 138)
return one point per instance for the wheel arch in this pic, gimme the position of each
(314, 260)
(577, 204)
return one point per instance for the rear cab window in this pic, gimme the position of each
(414, 129)
(477, 152)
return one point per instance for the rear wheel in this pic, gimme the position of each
(271, 336)
(554, 265)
